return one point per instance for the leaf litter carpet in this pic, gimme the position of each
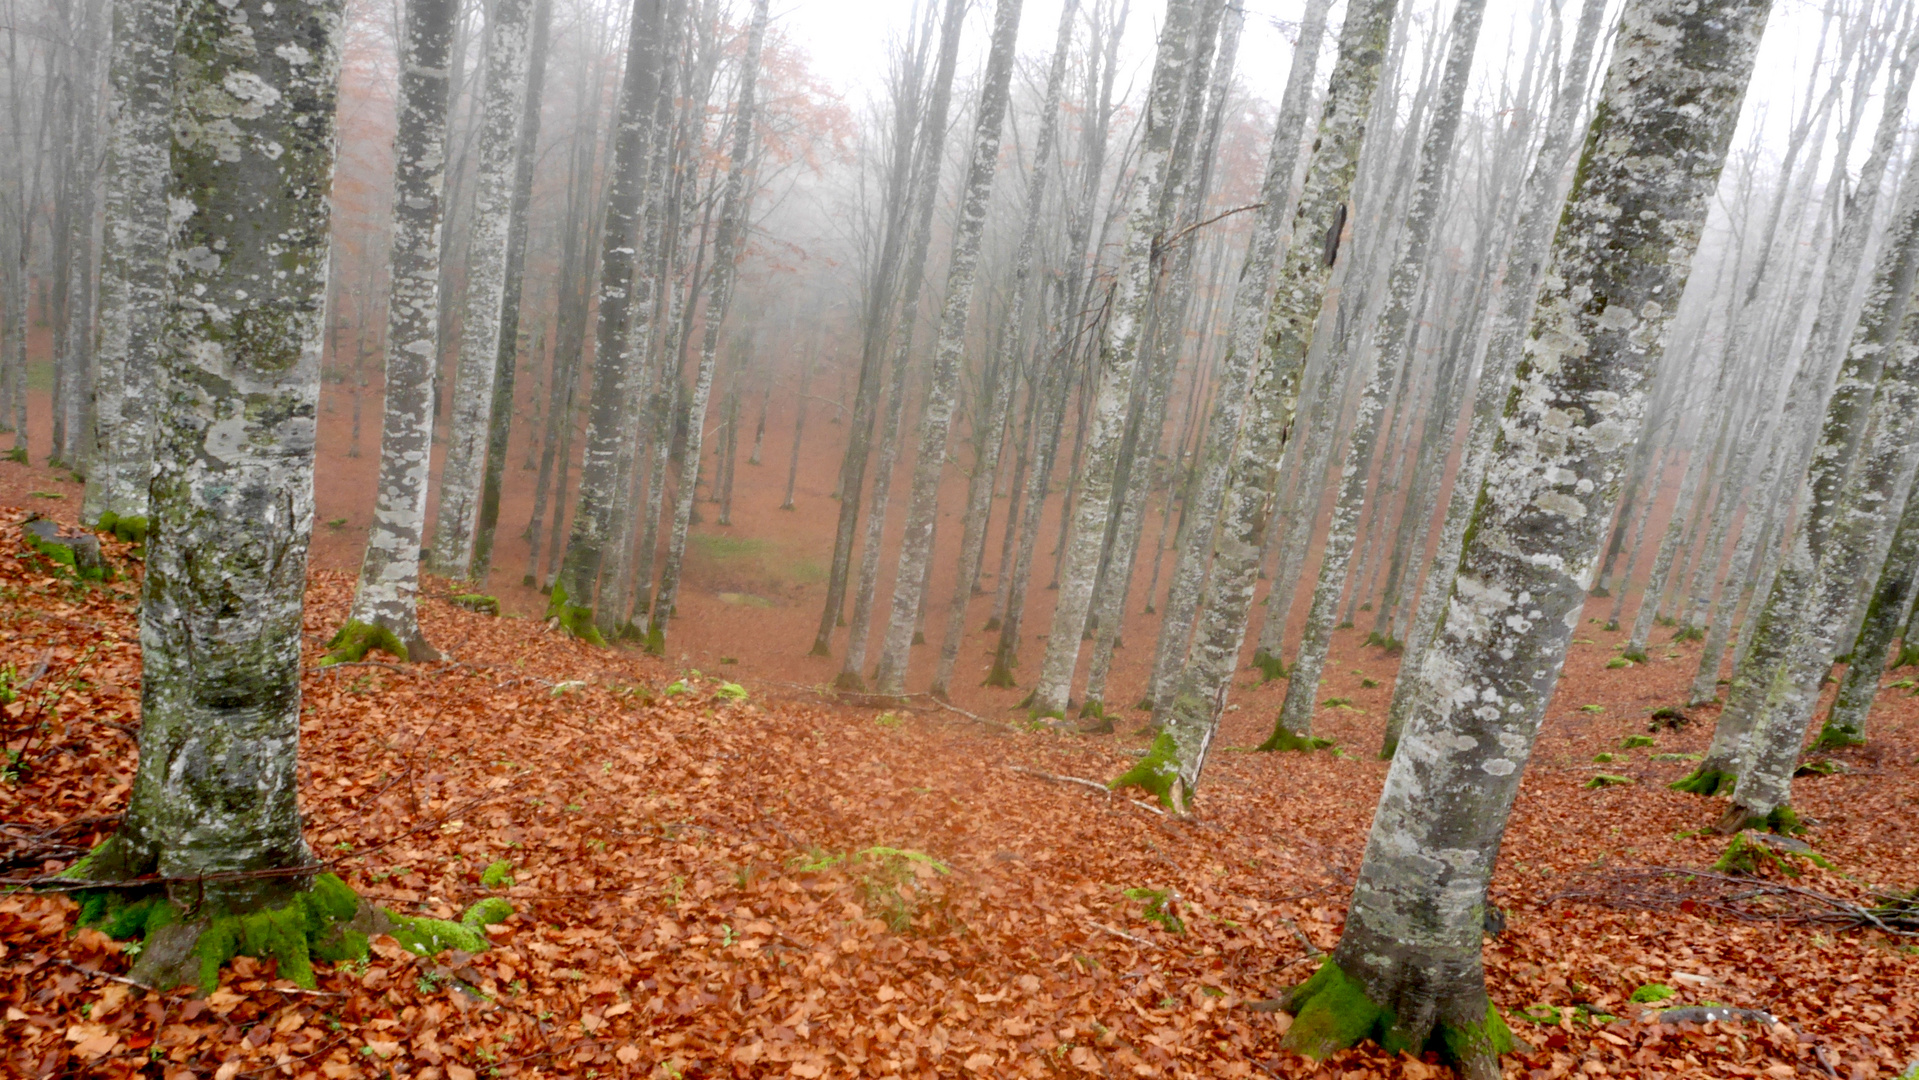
(715, 886)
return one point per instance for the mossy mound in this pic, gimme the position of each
(1617, 663)
(480, 602)
(1652, 992)
(497, 875)
(1667, 718)
(1606, 780)
(1270, 667)
(1706, 781)
(1331, 1011)
(1833, 737)
(1285, 741)
(1634, 742)
(131, 529)
(425, 937)
(314, 924)
(1156, 773)
(1749, 851)
(573, 618)
(356, 639)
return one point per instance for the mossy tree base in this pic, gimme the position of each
(849, 682)
(1332, 1011)
(131, 529)
(1708, 781)
(1285, 741)
(1689, 633)
(1000, 675)
(1780, 819)
(1637, 656)
(573, 618)
(1157, 774)
(1270, 667)
(1908, 655)
(325, 921)
(356, 639)
(1833, 737)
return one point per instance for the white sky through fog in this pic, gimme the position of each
(848, 40)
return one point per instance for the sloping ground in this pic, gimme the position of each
(708, 886)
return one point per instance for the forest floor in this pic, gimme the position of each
(791, 884)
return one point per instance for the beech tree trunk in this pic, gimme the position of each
(133, 268)
(1892, 597)
(231, 500)
(1392, 338)
(916, 549)
(388, 595)
(1147, 219)
(502, 106)
(1408, 969)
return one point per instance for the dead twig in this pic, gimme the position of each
(1093, 784)
(1121, 934)
(94, 973)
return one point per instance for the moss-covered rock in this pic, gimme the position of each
(489, 911)
(1634, 742)
(426, 937)
(1157, 773)
(356, 639)
(480, 602)
(77, 557)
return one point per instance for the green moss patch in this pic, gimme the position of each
(308, 927)
(1285, 741)
(1158, 906)
(1606, 780)
(572, 618)
(1156, 773)
(1689, 633)
(497, 875)
(480, 602)
(1270, 667)
(131, 529)
(1652, 992)
(489, 911)
(1750, 851)
(1634, 742)
(356, 639)
(1833, 737)
(1331, 1011)
(1707, 782)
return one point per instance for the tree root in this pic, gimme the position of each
(1706, 781)
(1332, 1011)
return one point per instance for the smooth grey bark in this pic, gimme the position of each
(1234, 378)
(1757, 692)
(1188, 184)
(736, 203)
(1012, 347)
(388, 593)
(936, 415)
(1892, 597)
(133, 268)
(575, 588)
(1413, 938)
(513, 274)
(503, 98)
(1147, 218)
(1056, 374)
(1858, 480)
(929, 164)
(1173, 768)
(1392, 338)
(216, 789)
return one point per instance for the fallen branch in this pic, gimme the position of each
(1711, 1014)
(97, 974)
(1093, 784)
(1121, 934)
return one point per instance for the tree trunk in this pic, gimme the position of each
(216, 790)
(916, 549)
(1172, 769)
(1148, 216)
(500, 411)
(133, 269)
(1408, 969)
(1762, 681)
(736, 203)
(1892, 597)
(986, 462)
(799, 429)
(575, 589)
(502, 107)
(1392, 337)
